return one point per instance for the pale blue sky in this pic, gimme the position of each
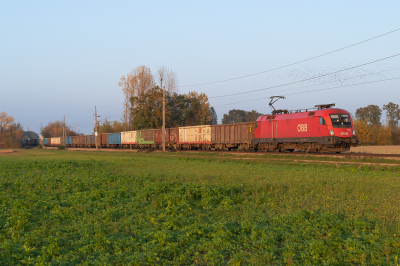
(63, 58)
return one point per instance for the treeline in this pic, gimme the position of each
(240, 116)
(55, 129)
(371, 131)
(11, 133)
(143, 105)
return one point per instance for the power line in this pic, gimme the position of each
(368, 82)
(331, 88)
(298, 62)
(323, 83)
(277, 86)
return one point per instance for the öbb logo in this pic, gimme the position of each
(302, 127)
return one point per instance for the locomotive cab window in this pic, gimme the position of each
(340, 120)
(322, 121)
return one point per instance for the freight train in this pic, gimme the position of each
(325, 129)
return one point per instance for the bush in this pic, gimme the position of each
(61, 147)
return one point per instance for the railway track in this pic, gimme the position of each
(352, 155)
(364, 155)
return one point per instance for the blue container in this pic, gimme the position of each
(23, 142)
(114, 138)
(45, 141)
(68, 141)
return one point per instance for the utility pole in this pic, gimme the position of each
(163, 114)
(95, 127)
(64, 130)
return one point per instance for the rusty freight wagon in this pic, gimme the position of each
(146, 138)
(102, 140)
(82, 141)
(159, 137)
(173, 137)
(90, 141)
(75, 141)
(232, 136)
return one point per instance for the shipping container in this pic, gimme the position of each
(195, 135)
(68, 141)
(45, 141)
(55, 141)
(129, 137)
(114, 138)
(146, 136)
(90, 140)
(233, 134)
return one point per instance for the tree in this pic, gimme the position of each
(372, 113)
(110, 127)
(168, 80)
(146, 111)
(392, 114)
(6, 122)
(240, 116)
(181, 109)
(234, 116)
(214, 118)
(55, 129)
(363, 130)
(252, 116)
(11, 133)
(137, 82)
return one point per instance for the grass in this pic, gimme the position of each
(78, 207)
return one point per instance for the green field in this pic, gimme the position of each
(60, 207)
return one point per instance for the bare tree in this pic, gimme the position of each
(137, 82)
(168, 78)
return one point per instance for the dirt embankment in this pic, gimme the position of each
(376, 149)
(6, 151)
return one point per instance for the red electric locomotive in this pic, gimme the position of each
(325, 129)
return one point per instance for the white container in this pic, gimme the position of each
(55, 141)
(195, 135)
(129, 137)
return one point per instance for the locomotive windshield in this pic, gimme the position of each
(341, 120)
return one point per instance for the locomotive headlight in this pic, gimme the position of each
(332, 132)
(354, 132)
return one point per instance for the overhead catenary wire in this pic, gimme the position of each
(294, 82)
(292, 64)
(323, 83)
(331, 88)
